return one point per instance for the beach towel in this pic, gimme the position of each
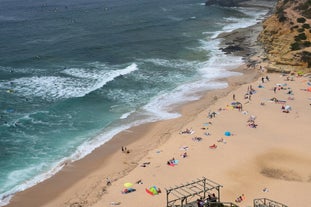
(173, 163)
(128, 190)
(152, 190)
(214, 146)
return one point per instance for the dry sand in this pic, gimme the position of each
(275, 155)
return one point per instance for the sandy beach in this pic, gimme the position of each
(266, 158)
(270, 160)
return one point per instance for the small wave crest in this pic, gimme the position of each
(180, 64)
(78, 82)
(163, 105)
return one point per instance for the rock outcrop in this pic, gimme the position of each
(286, 36)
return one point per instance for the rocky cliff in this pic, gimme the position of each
(286, 36)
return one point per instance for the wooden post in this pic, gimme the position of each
(167, 192)
(218, 189)
(204, 186)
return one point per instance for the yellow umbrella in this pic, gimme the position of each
(128, 185)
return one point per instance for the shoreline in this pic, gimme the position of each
(101, 162)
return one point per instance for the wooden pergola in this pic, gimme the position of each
(185, 192)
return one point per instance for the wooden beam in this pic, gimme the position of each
(183, 195)
(175, 195)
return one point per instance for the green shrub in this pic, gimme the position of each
(306, 57)
(300, 30)
(281, 15)
(295, 27)
(306, 26)
(301, 20)
(307, 43)
(295, 46)
(301, 36)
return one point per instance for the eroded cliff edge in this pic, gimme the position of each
(286, 36)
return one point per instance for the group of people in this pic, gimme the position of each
(187, 131)
(249, 93)
(251, 121)
(197, 139)
(171, 161)
(240, 198)
(263, 79)
(184, 155)
(211, 114)
(125, 150)
(200, 202)
(211, 198)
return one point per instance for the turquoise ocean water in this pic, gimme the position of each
(75, 73)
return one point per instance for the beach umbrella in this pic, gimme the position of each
(128, 185)
(227, 133)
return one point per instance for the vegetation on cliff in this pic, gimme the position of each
(286, 36)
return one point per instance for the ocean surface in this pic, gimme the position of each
(75, 73)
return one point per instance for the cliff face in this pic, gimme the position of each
(286, 36)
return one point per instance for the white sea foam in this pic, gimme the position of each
(125, 115)
(87, 147)
(163, 105)
(80, 83)
(6, 197)
(254, 16)
(180, 64)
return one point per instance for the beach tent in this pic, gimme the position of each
(288, 108)
(309, 89)
(227, 133)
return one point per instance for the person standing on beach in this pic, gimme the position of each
(108, 182)
(240, 107)
(233, 97)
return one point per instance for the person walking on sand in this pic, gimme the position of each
(108, 182)
(233, 97)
